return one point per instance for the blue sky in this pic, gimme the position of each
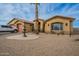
(26, 11)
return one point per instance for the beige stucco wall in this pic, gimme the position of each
(41, 25)
(64, 21)
(35, 26)
(28, 26)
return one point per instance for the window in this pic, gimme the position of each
(57, 26)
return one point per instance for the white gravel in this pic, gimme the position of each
(21, 37)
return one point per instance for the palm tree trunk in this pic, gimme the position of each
(36, 16)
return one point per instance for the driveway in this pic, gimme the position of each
(45, 45)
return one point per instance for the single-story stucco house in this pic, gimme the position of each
(56, 24)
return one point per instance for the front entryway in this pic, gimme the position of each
(39, 24)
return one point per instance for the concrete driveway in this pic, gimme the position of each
(45, 45)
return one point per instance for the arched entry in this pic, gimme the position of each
(20, 27)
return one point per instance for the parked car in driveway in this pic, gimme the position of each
(7, 28)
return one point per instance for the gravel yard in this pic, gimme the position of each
(45, 45)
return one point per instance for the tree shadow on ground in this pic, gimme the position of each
(76, 39)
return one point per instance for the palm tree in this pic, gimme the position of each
(36, 17)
